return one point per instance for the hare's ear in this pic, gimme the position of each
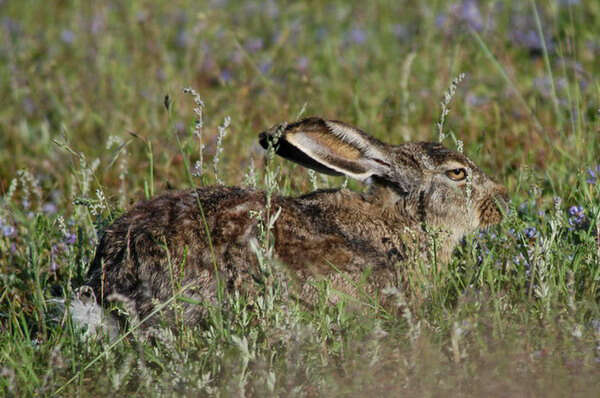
(330, 147)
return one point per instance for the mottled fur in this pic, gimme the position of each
(183, 237)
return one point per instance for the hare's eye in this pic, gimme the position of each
(456, 174)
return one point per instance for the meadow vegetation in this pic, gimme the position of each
(94, 117)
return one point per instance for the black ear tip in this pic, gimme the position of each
(264, 138)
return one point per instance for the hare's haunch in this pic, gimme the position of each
(417, 189)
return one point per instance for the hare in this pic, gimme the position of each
(187, 237)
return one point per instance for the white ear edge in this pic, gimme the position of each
(356, 138)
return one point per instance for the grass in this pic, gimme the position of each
(94, 118)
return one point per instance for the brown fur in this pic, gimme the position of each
(187, 236)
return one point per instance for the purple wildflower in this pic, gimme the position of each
(254, 44)
(97, 24)
(67, 36)
(593, 174)
(265, 67)
(180, 127)
(49, 208)
(544, 86)
(577, 219)
(520, 259)
(182, 39)
(28, 105)
(524, 33)
(468, 12)
(70, 238)
(530, 232)
(8, 230)
(13, 27)
(302, 64)
(575, 211)
(441, 20)
(237, 57)
(568, 2)
(54, 251)
(226, 75)
(476, 100)
(523, 208)
(358, 36)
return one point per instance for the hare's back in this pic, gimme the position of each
(146, 248)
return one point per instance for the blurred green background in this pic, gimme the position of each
(83, 71)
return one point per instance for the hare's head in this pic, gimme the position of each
(450, 191)
(429, 183)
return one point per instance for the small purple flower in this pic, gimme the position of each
(49, 208)
(593, 175)
(13, 27)
(28, 105)
(254, 44)
(568, 2)
(575, 211)
(524, 33)
(180, 126)
(543, 85)
(8, 230)
(67, 36)
(302, 64)
(468, 12)
(237, 57)
(441, 20)
(70, 239)
(54, 251)
(530, 232)
(476, 100)
(358, 36)
(521, 260)
(523, 208)
(226, 75)
(97, 24)
(265, 67)
(593, 46)
(577, 219)
(182, 39)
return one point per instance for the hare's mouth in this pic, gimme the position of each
(492, 210)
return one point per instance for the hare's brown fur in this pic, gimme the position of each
(183, 237)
